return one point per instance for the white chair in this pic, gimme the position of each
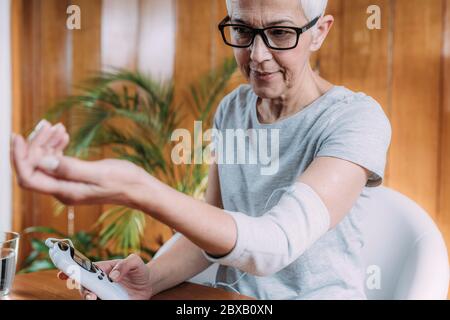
(404, 244)
(404, 248)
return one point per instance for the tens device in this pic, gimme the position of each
(67, 259)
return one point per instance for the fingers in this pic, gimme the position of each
(62, 276)
(58, 141)
(71, 169)
(107, 266)
(121, 269)
(44, 140)
(19, 147)
(25, 155)
(41, 166)
(19, 153)
(41, 134)
(53, 139)
(27, 177)
(48, 136)
(11, 148)
(86, 294)
(58, 132)
(37, 129)
(89, 295)
(62, 144)
(44, 150)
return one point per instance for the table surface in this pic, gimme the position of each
(46, 286)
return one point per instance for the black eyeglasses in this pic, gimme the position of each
(276, 37)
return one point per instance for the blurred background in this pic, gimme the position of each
(173, 48)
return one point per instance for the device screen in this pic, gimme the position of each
(84, 262)
(78, 257)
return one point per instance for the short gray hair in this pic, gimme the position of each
(311, 8)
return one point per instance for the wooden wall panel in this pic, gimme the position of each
(52, 62)
(364, 62)
(365, 54)
(415, 110)
(43, 79)
(40, 79)
(17, 45)
(86, 43)
(356, 57)
(194, 43)
(443, 218)
(85, 48)
(48, 60)
(329, 57)
(199, 45)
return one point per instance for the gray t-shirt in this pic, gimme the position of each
(341, 124)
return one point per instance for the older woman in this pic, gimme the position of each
(288, 233)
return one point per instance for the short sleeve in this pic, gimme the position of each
(218, 117)
(217, 126)
(360, 133)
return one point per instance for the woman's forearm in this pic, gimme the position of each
(208, 227)
(181, 262)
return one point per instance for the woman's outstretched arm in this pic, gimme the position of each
(338, 184)
(41, 166)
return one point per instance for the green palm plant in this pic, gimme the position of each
(133, 117)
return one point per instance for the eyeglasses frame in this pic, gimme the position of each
(258, 31)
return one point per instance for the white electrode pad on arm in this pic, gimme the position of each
(268, 244)
(79, 268)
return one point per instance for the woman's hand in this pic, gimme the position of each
(41, 166)
(131, 273)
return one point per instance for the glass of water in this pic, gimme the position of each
(9, 246)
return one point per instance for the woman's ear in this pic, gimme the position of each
(320, 32)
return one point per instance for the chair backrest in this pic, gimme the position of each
(403, 247)
(404, 251)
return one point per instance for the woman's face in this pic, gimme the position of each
(282, 69)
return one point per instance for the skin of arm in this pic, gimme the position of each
(338, 183)
(184, 259)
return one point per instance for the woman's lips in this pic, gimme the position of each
(265, 76)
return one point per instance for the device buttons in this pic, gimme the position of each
(100, 277)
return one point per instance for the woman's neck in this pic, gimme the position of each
(311, 87)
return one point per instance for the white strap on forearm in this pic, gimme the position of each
(268, 244)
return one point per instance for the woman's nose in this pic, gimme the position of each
(259, 50)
